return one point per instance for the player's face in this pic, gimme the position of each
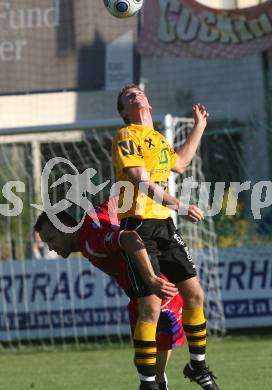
(56, 240)
(134, 100)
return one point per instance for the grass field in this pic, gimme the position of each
(241, 363)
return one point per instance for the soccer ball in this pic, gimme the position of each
(123, 8)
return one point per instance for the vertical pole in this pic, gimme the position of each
(266, 59)
(170, 136)
(37, 170)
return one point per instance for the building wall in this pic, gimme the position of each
(58, 45)
(231, 89)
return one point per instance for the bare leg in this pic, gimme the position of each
(149, 308)
(162, 360)
(192, 293)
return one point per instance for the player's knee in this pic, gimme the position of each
(191, 292)
(148, 312)
(149, 316)
(194, 298)
(197, 297)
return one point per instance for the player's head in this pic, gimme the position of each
(129, 99)
(60, 242)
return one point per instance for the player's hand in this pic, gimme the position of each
(191, 212)
(162, 288)
(200, 115)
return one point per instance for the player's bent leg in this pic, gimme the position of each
(144, 340)
(194, 324)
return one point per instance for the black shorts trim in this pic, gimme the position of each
(173, 272)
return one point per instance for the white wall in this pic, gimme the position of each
(228, 4)
(61, 108)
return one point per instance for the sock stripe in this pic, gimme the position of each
(194, 328)
(144, 362)
(197, 344)
(146, 370)
(197, 350)
(144, 344)
(197, 357)
(145, 355)
(145, 348)
(194, 325)
(147, 378)
(196, 338)
(199, 333)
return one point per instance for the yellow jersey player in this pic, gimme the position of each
(143, 160)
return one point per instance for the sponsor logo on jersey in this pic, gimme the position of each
(164, 156)
(149, 143)
(126, 147)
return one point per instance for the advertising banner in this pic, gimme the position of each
(246, 280)
(59, 299)
(187, 28)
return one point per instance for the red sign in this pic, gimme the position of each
(185, 27)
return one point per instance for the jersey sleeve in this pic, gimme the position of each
(126, 151)
(173, 156)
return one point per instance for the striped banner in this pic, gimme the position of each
(187, 28)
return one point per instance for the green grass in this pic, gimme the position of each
(241, 363)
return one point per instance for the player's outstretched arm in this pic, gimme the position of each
(134, 247)
(188, 149)
(140, 177)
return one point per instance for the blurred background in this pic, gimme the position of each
(62, 64)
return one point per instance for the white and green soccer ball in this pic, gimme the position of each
(123, 8)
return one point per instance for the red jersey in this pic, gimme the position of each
(101, 246)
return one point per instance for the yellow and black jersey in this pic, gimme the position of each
(135, 146)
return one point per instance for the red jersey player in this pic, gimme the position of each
(102, 244)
